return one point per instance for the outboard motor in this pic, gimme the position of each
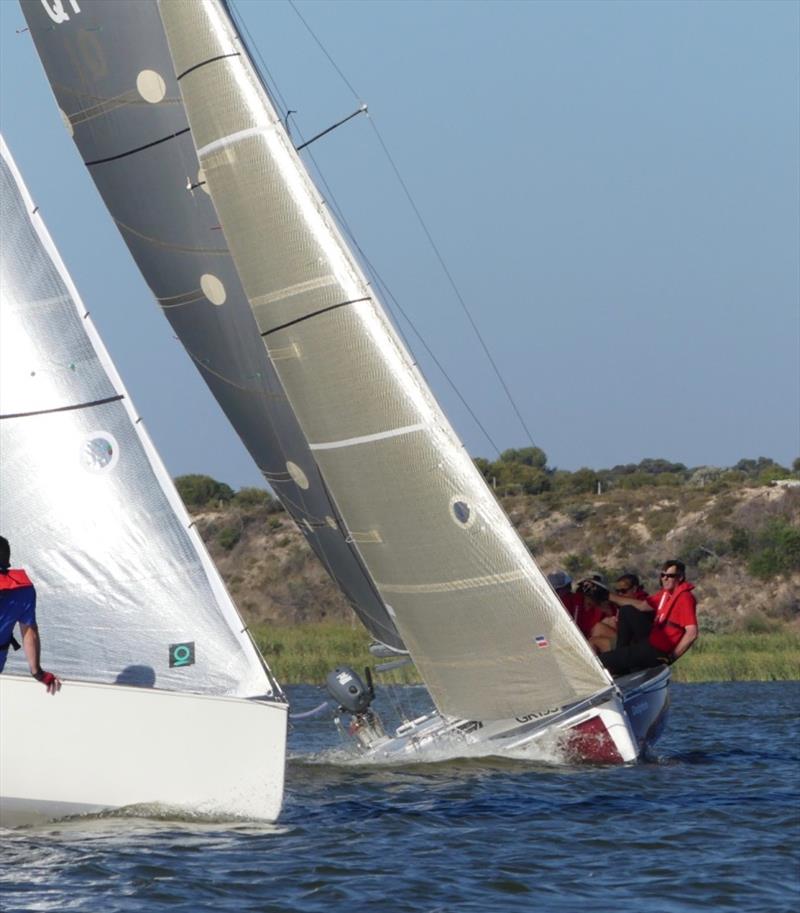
(352, 696)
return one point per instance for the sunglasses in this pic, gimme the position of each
(671, 576)
(621, 592)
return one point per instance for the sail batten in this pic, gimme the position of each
(368, 438)
(482, 624)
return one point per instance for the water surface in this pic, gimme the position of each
(710, 823)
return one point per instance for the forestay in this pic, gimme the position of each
(126, 592)
(111, 72)
(486, 631)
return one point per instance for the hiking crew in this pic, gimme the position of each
(18, 606)
(656, 630)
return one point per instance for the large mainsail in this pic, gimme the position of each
(487, 633)
(126, 591)
(111, 72)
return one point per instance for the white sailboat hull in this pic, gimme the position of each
(94, 747)
(614, 729)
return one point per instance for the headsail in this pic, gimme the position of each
(126, 590)
(111, 72)
(486, 631)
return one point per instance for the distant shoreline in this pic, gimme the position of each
(305, 653)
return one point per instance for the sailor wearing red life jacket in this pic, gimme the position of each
(670, 633)
(574, 603)
(18, 606)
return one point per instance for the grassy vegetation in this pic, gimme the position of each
(306, 653)
(741, 657)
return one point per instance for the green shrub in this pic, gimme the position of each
(756, 622)
(200, 490)
(775, 550)
(739, 542)
(579, 564)
(229, 536)
(526, 456)
(252, 497)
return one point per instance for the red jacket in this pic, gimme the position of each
(674, 612)
(585, 616)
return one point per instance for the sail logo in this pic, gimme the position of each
(181, 655)
(541, 641)
(56, 10)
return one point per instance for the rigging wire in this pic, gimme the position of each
(339, 214)
(425, 229)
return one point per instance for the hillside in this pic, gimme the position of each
(741, 546)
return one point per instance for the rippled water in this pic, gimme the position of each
(711, 823)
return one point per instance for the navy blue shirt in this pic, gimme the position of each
(16, 605)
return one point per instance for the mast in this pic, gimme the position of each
(486, 631)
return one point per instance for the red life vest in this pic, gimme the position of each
(13, 579)
(675, 611)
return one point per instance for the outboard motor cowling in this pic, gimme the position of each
(352, 696)
(348, 690)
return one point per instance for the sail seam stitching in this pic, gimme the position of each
(367, 438)
(230, 139)
(122, 155)
(96, 402)
(331, 307)
(204, 63)
(449, 585)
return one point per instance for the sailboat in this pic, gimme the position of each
(166, 700)
(296, 346)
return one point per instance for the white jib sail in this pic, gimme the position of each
(126, 590)
(487, 633)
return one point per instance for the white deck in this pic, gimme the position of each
(94, 747)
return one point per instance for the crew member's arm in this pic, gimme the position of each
(32, 647)
(689, 637)
(638, 604)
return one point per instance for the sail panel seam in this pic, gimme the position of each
(447, 586)
(368, 438)
(122, 155)
(230, 139)
(168, 245)
(204, 63)
(96, 402)
(331, 307)
(299, 288)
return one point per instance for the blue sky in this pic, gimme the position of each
(613, 187)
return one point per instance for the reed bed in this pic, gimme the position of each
(742, 658)
(305, 654)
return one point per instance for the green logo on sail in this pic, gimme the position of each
(181, 654)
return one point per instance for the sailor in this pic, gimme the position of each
(561, 582)
(603, 636)
(18, 604)
(584, 610)
(664, 631)
(594, 592)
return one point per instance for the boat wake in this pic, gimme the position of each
(480, 754)
(154, 813)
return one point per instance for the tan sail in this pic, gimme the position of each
(486, 631)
